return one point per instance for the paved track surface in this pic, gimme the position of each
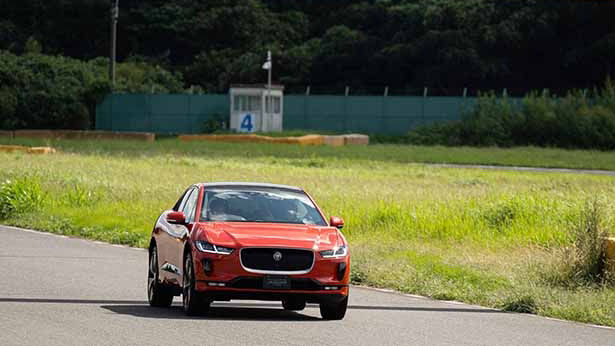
(61, 291)
(526, 169)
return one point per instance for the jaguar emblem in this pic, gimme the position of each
(277, 256)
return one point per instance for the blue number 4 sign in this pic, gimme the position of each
(246, 123)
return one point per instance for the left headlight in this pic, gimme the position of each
(335, 252)
(204, 246)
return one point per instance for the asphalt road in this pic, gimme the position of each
(60, 291)
(525, 169)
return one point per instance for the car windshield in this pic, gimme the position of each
(259, 204)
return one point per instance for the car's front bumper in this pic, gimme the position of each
(227, 279)
(226, 294)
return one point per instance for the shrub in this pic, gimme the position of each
(490, 123)
(502, 214)
(446, 134)
(215, 123)
(583, 263)
(589, 247)
(522, 303)
(538, 120)
(8, 105)
(358, 275)
(19, 196)
(572, 121)
(49, 91)
(55, 92)
(32, 46)
(137, 76)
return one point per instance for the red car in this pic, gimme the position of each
(224, 241)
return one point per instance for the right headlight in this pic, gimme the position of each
(336, 252)
(204, 246)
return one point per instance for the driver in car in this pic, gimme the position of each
(218, 207)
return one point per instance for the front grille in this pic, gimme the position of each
(262, 259)
(302, 284)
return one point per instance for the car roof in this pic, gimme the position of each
(247, 184)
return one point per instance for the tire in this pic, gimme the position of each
(335, 311)
(157, 294)
(293, 305)
(194, 302)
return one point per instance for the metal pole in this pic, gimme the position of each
(269, 81)
(114, 17)
(423, 106)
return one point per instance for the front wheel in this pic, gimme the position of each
(335, 311)
(157, 295)
(194, 303)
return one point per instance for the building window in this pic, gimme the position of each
(236, 106)
(254, 103)
(276, 105)
(245, 103)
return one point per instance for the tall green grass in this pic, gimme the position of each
(19, 196)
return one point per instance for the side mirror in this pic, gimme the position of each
(336, 222)
(176, 218)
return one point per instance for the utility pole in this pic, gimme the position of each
(268, 106)
(115, 9)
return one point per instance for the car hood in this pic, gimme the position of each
(236, 234)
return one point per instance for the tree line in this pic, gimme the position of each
(53, 65)
(446, 45)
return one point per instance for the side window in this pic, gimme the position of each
(190, 206)
(204, 206)
(179, 205)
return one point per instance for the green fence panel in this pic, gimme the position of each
(402, 114)
(325, 113)
(363, 113)
(294, 112)
(159, 113)
(103, 114)
(330, 113)
(441, 109)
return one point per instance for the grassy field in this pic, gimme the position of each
(493, 238)
(379, 153)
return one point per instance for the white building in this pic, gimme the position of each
(252, 112)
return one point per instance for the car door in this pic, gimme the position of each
(170, 242)
(189, 210)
